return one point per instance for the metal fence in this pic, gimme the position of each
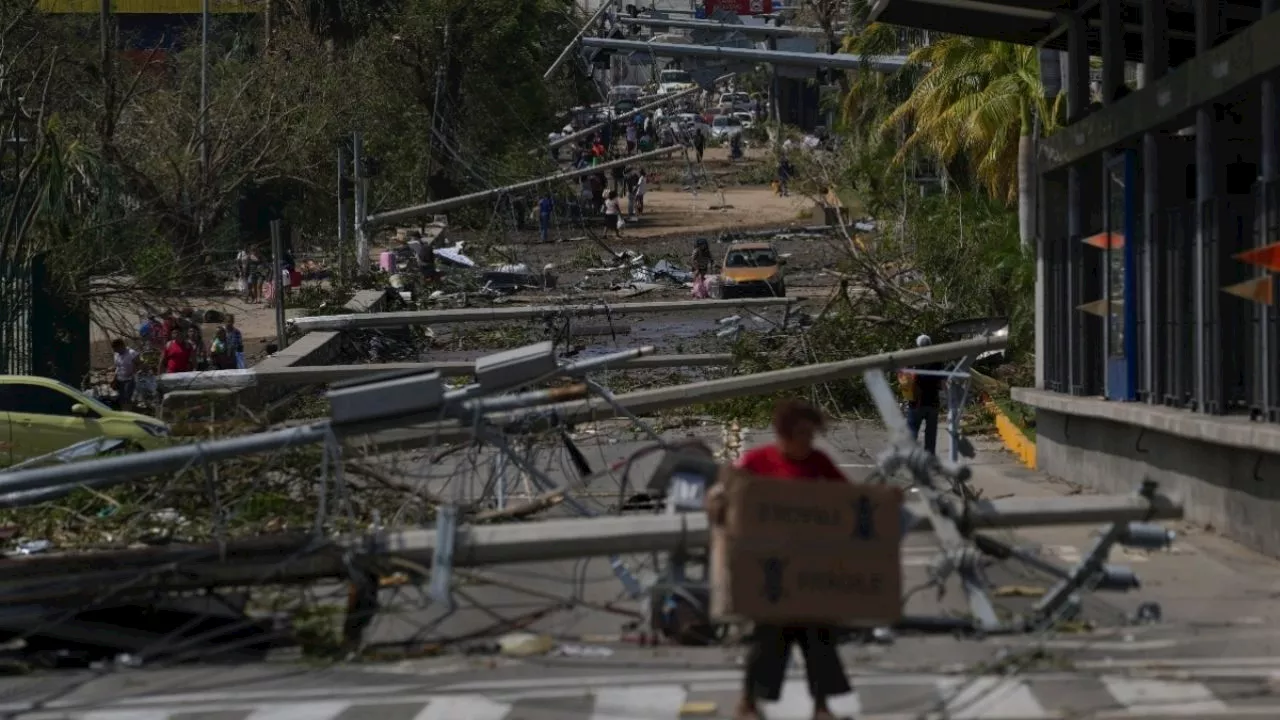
(16, 321)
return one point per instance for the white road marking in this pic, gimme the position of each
(471, 707)
(300, 711)
(127, 715)
(795, 703)
(637, 703)
(1162, 697)
(990, 698)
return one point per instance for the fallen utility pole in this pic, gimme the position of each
(647, 402)
(666, 100)
(417, 434)
(284, 559)
(324, 374)
(371, 321)
(568, 49)
(838, 61)
(686, 24)
(433, 208)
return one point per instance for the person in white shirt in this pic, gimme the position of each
(125, 380)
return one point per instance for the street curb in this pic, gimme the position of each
(1014, 440)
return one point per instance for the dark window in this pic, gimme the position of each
(36, 400)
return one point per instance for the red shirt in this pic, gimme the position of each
(768, 461)
(177, 357)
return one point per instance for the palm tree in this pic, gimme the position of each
(981, 98)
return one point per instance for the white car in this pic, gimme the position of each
(746, 118)
(673, 81)
(724, 127)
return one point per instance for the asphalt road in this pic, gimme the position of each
(1214, 655)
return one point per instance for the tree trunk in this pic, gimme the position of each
(1026, 191)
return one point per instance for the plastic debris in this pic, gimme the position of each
(525, 644)
(584, 651)
(34, 547)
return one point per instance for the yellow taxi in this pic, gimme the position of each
(40, 415)
(751, 268)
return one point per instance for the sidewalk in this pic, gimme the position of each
(1202, 579)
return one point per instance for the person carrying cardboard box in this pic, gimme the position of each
(793, 459)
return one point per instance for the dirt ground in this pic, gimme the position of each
(673, 216)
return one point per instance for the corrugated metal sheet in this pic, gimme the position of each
(152, 7)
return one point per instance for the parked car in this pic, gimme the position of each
(40, 415)
(724, 127)
(751, 268)
(746, 118)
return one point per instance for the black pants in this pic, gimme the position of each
(771, 650)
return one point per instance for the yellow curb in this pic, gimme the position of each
(1015, 441)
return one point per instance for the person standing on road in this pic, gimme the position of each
(632, 182)
(126, 373)
(633, 138)
(792, 458)
(178, 354)
(699, 143)
(923, 400)
(545, 206)
(235, 340)
(612, 214)
(642, 184)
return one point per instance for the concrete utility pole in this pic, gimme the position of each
(204, 96)
(367, 321)
(110, 470)
(297, 559)
(439, 206)
(278, 282)
(343, 251)
(323, 374)
(361, 212)
(839, 61)
(564, 54)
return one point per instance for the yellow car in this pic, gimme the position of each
(751, 268)
(39, 416)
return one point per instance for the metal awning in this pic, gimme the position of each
(1040, 22)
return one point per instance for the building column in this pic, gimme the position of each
(1155, 375)
(1077, 86)
(1053, 313)
(1209, 207)
(1267, 402)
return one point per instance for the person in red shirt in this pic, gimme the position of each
(177, 355)
(792, 458)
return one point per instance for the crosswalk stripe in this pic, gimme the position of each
(796, 703)
(991, 698)
(1141, 696)
(301, 711)
(637, 703)
(127, 715)
(471, 707)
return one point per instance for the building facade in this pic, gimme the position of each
(1157, 342)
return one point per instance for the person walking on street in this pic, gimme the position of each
(545, 206)
(235, 340)
(923, 400)
(632, 182)
(784, 176)
(612, 214)
(126, 373)
(792, 458)
(642, 184)
(699, 143)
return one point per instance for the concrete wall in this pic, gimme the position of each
(317, 348)
(1233, 489)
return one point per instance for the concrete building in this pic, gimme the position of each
(1158, 348)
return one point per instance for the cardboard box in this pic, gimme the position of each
(798, 552)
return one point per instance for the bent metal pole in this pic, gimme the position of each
(394, 216)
